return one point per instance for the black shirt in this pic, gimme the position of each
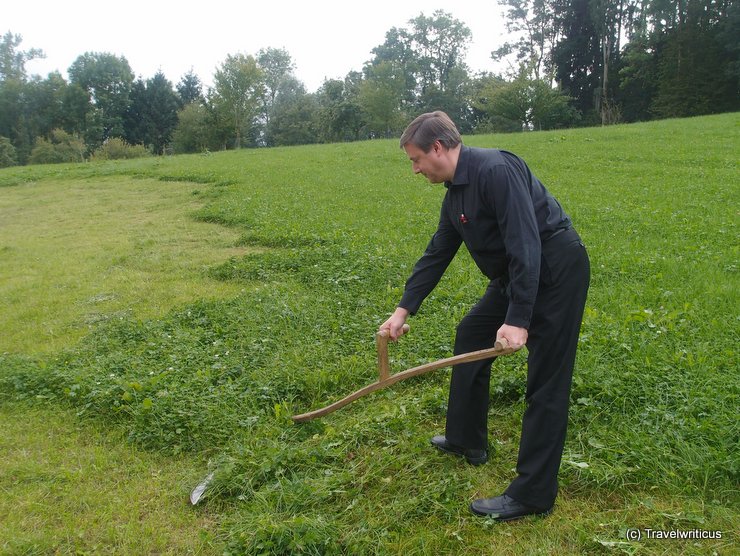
(503, 213)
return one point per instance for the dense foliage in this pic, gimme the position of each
(580, 62)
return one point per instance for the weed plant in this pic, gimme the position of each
(332, 233)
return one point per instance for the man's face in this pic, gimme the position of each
(433, 165)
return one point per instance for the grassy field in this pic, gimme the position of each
(190, 305)
(77, 488)
(102, 249)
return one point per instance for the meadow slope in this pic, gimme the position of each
(312, 246)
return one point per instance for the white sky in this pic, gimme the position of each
(326, 39)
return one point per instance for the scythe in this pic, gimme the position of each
(386, 379)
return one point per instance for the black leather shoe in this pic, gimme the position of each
(505, 508)
(473, 457)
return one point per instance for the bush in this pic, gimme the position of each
(60, 147)
(8, 156)
(116, 148)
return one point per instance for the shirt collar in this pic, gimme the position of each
(461, 170)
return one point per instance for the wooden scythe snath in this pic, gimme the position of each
(387, 379)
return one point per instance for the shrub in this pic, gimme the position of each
(116, 148)
(60, 147)
(8, 156)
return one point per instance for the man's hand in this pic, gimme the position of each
(394, 324)
(516, 336)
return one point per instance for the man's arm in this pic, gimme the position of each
(518, 224)
(426, 274)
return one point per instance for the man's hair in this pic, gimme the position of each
(431, 127)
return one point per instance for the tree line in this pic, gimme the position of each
(571, 62)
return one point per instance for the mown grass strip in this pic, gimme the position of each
(76, 253)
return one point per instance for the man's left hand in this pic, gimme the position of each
(517, 337)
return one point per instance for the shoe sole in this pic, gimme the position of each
(513, 518)
(471, 461)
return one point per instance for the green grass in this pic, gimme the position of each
(76, 488)
(76, 252)
(327, 236)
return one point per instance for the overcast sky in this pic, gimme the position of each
(326, 39)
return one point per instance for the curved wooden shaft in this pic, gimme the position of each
(501, 348)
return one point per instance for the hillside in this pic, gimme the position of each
(202, 300)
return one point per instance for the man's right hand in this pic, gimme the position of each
(394, 324)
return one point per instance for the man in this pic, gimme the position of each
(524, 243)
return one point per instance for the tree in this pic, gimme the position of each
(29, 109)
(695, 65)
(294, 116)
(193, 131)
(75, 109)
(277, 67)
(638, 79)
(8, 156)
(34, 108)
(482, 89)
(440, 43)
(239, 86)
(681, 59)
(380, 98)
(607, 16)
(136, 120)
(575, 43)
(455, 99)
(532, 103)
(189, 89)
(729, 31)
(14, 90)
(107, 79)
(340, 115)
(152, 115)
(12, 117)
(427, 58)
(13, 61)
(45, 98)
(536, 27)
(577, 57)
(163, 104)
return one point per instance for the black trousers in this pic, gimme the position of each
(551, 345)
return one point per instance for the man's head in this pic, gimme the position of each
(432, 144)
(431, 127)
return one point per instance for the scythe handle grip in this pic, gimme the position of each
(501, 344)
(385, 334)
(381, 341)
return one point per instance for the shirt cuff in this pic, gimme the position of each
(410, 302)
(519, 315)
